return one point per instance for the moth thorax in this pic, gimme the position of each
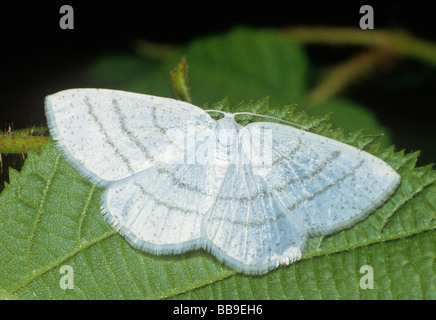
(227, 130)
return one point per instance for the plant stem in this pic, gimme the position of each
(30, 131)
(21, 144)
(348, 72)
(384, 45)
(399, 42)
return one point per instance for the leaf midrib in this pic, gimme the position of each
(39, 212)
(34, 275)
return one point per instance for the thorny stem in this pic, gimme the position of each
(21, 144)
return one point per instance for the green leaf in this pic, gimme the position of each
(179, 81)
(345, 111)
(50, 217)
(246, 64)
(242, 64)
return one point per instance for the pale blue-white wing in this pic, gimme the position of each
(325, 184)
(294, 184)
(111, 135)
(249, 233)
(159, 210)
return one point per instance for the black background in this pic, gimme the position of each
(38, 58)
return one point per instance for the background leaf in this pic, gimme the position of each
(50, 217)
(243, 64)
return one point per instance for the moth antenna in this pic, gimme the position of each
(274, 118)
(219, 111)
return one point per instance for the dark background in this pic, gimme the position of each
(38, 58)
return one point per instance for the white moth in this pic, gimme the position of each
(177, 180)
